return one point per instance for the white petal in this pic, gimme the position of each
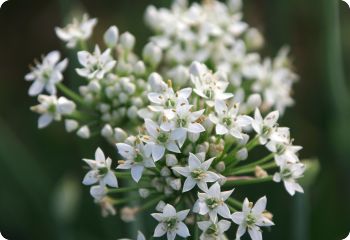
(221, 129)
(182, 215)
(136, 172)
(259, 206)
(271, 118)
(195, 128)
(240, 231)
(157, 152)
(188, 184)
(169, 211)
(184, 171)
(193, 161)
(237, 217)
(171, 146)
(160, 230)
(182, 230)
(111, 180)
(125, 150)
(99, 155)
(224, 211)
(221, 107)
(255, 233)
(224, 225)
(36, 88)
(44, 120)
(90, 178)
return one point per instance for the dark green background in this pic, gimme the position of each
(41, 196)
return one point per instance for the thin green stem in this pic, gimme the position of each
(256, 163)
(152, 202)
(69, 93)
(241, 182)
(127, 189)
(235, 203)
(196, 229)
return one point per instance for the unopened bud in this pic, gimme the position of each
(242, 154)
(119, 135)
(107, 131)
(71, 125)
(128, 214)
(160, 206)
(165, 172)
(220, 167)
(139, 68)
(260, 173)
(84, 132)
(111, 36)
(127, 41)
(171, 160)
(144, 192)
(254, 101)
(152, 54)
(175, 184)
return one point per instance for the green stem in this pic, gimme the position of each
(127, 189)
(152, 202)
(256, 163)
(265, 167)
(69, 93)
(247, 181)
(196, 229)
(235, 203)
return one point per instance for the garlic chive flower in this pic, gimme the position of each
(212, 202)
(228, 120)
(159, 140)
(47, 74)
(76, 31)
(171, 223)
(214, 230)
(289, 173)
(264, 127)
(207, 85)
(52, 109)
(251, 218)
(137, 158)
(197, 173)
(100, 171)
(96, 65)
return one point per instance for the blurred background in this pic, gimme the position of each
(40, 171)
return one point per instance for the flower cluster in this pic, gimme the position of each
(185, 143)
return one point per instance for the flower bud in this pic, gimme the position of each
(180, 75)
(220, 167)
(132, 113)
(119, 135)
(152, 54)
(84, 132)
(254, 101)
(94, 86)
(234, 5)
(140, 68)
(165, 172)
(260, 173)
(104, 108)
(244, 140)
(204, 147)
(123, 97)
(160, 206)
(128, 214)
(144, 192)
(71, 125)
(193, 137)
(242, 154)
(124, 68)
(111, 36)
(127, 41)
(175, 184)
(156, 82)
(171, 160)
(253, 38)
(107, 131)
(137, 102)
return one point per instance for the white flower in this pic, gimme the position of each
(168, 100)
(99, 193)
(100, 171)
(159, 140)
(84, 132)
(171, 223)
(228, 121)
(46, 74)
(136, 159)
(251, 218)
(111, 36)
(76, 31)
(282, 146)
(289, 173)
(197, 173)
(214, 231)
(183, 122)
(264, 127)
(212, 202)
(52, 108)
(208, 85)
(96, 65)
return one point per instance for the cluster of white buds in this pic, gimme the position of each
(214, 33)
(184, 143)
